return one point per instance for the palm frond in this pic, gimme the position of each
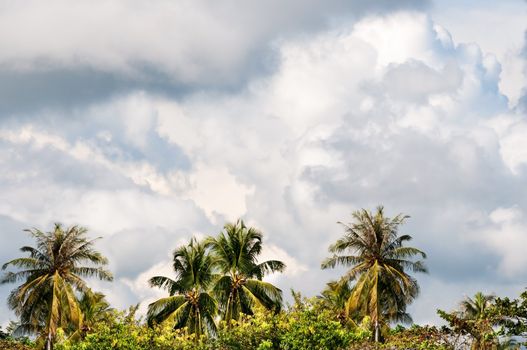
(267, 267)
(164, 308)
(265, 293)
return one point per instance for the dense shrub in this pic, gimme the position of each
(417, 337)
(305, 328)
(313, 329)
(9, 343)
(261, 331)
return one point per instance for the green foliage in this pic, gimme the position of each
(119, 331)
(305, 327)
(311, 329)
(486, 322)
(419, 338)
(259, 331)
(511, 315)
(311, 325)
(335, 297)
(7, 342)
(414, 338)
(94, 307)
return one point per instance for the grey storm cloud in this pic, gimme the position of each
(23, 93)
(164, 47)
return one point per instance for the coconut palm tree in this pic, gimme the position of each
(335, 297)
(189, 303)
(475, 313)
(378, 262)
(51, 275)
(95, 309)
(240, 288)
(477, 307)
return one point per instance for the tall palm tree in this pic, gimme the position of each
(51, 275)
(189, 303)
(240, 288)
(378, 262)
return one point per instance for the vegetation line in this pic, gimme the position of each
(218, 298)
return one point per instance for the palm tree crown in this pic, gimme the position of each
(95, 309)
(335, 297)
(236, 250)
(189, 303)
(378, 262)
(476, 308)
(51, 274)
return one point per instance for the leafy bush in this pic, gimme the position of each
(297, 328)
(8, 342)
(419, 338)
(310, 329)
(261, 331)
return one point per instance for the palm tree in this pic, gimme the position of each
(51, 274)
(335, 297)
(476, 308)
(240, 288)
(475, 313)
(378, 262)
(189, 303)
(95, 309)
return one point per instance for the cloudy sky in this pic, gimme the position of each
(152, 121)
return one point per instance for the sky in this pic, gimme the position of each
(150, 122)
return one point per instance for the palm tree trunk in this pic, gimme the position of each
(198, 331)
(227, 313)
(377, 331)
(49, 344)
(377, 313)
